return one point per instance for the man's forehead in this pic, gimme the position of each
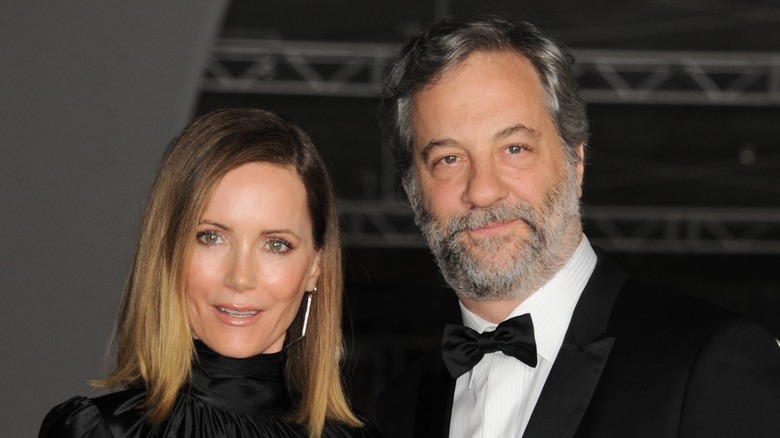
(533, 83)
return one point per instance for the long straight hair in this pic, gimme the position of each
(154, 340)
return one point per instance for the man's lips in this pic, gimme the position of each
(493, 228)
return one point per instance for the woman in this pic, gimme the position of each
(230, 323)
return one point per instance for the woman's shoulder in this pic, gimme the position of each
(85, 417)
(76, 417)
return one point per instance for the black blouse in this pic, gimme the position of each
(227, 398)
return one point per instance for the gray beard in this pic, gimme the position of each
(504, 267)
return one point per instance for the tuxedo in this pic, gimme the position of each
(635, 362)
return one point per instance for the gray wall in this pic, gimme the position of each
(90, 95)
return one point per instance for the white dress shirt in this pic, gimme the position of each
(496, 398)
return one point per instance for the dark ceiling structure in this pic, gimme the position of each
(683, 165)
(684, 99)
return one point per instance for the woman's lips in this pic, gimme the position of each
(238, 313)
(237, 316)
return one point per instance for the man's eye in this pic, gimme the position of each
(514, 149)
(449, 159)
(208, 237)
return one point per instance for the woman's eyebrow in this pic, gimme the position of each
(214, 223)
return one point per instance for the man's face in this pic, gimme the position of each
(492, 191)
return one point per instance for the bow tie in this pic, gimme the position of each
(462, 347)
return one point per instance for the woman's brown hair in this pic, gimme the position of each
(154, 346)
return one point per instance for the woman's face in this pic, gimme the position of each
(253, 259)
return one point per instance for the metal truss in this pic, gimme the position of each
(297, 68)
(684, 229)
(700, 230)
(679, 78)
(622, 77)
(357, 69)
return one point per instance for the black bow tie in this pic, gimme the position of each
(462, 347)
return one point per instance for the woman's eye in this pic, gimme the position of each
(278, 246)
(209, 238)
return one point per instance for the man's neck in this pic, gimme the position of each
(493, 311)
(496, 311)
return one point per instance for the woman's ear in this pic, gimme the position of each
(314, 271)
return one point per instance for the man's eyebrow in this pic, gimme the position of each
(433, 144)
(518, 128)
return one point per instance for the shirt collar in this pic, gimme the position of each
(552, 305)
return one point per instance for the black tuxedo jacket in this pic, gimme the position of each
(635, 363)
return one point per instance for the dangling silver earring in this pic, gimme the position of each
(303, 314)
(307, 298)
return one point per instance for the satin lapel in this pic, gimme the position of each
(434, 403)
(583, 355)
(568, 390)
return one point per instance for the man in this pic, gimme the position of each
(489, 131)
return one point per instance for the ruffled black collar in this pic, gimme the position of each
(254, 385)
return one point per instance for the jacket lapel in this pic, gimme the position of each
(434, 404)
(583, 355)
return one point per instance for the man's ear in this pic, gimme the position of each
(410, 187)
(580, 168)
(405, 186)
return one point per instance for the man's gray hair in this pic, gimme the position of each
(449, 42)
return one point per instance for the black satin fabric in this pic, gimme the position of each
(227, 398)
(462, 347)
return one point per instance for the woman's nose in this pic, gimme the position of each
(241, 274)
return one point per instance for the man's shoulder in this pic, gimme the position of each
(651, 307)
(637, 305)
(650, 318)
(674, 349)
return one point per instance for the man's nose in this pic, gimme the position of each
(484, 186)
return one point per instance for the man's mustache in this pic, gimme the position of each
(482, 217)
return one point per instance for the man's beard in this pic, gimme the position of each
(475, 268)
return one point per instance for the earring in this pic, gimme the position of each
(302, 319)
(307, 298)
